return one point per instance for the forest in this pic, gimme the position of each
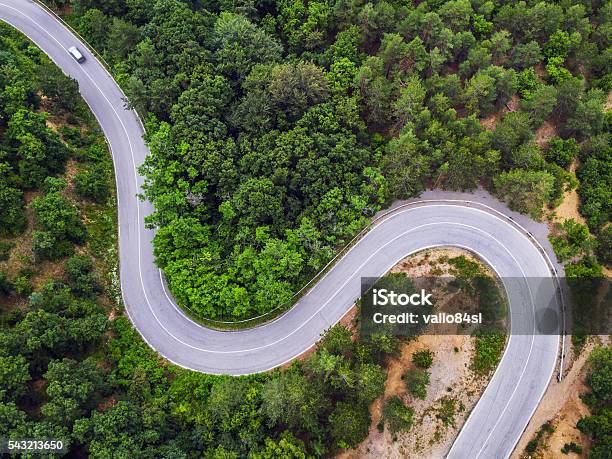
(277, 129)
(72, 367)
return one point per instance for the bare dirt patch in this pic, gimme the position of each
(112, 314)
(541, 73)
(108, 403)
(47, 270)
(562, 407)
(52, 124)
(452, 380)
(72, 168)
(432, 262)
(21, 254)
(513, 104)
(490, 122)
(545, 132)
(451, 377)
(569, 206)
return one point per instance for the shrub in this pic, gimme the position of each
(573, 239)
(578, 341)
(337, 341)
(397, 416)
(446, 411)
(546, 428)
(532, 446)
(571, 447)
(23, 286)
(349, 423)
(92, 183)
(587, 268)
(72, 136)
(5, 285)
(5, 250)
(54, 184)
(423, 359)
(47, 247)
(416, 382)
(81, 277)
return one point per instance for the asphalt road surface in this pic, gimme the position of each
(495, 424)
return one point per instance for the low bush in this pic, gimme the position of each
(416, 383)
(397, 416)
(423, 359)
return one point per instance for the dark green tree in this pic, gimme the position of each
(349, 424)
(525, 191)
(62, 90)
(81, 276)
(93, 183)
(74, 389)
(14, 377)
(12, 216)
(60, 225)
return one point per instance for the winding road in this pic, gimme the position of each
(475, 222)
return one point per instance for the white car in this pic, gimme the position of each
(78, 56)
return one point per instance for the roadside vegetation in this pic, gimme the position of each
(489, 348)
(599, 401)
(592, 437)
(539, 438)
(278, 128)
(423, 359)
(581, 253)
(433, 381)
(416, 383)
(397, 416)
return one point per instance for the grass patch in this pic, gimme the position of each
(488, 350)
(446, 411)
